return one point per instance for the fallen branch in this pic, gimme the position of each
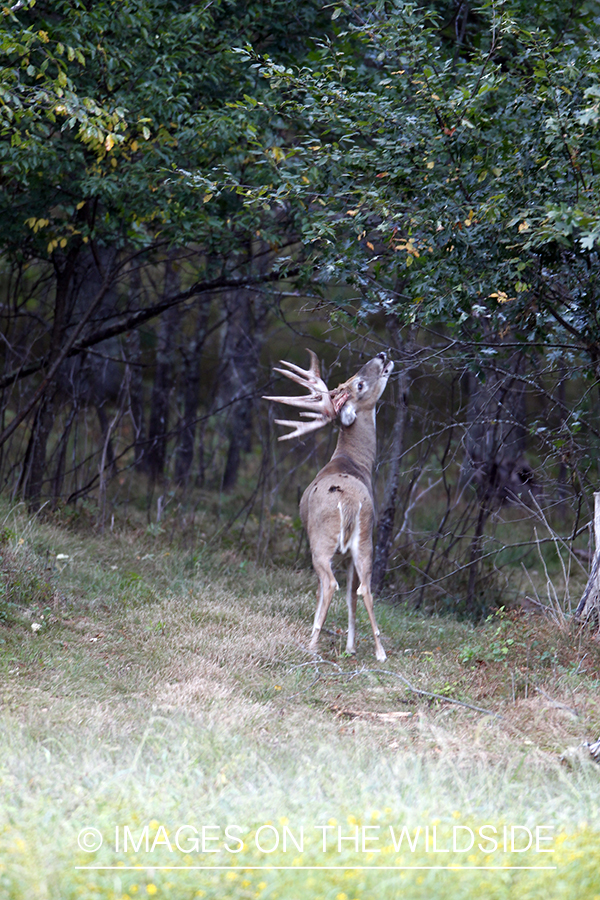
(415, 690)
(432, 696)
(341, 712)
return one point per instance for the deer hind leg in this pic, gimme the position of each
(363, 568)
(351, 589)
(327, 587)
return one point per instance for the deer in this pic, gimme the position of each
(337, 509)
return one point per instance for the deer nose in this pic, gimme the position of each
(382, 356)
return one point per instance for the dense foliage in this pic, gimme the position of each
(445, 160)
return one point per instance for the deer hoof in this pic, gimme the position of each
(380, 654)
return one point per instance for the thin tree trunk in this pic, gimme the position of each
(163, 382)
(136, 397)
(136, 378)
(495, 439)
(385, 526)
(34, 468)
(561, 479)
(474, 557)
(589, 605)
(240, 358)
(191, 388)
(59, 472)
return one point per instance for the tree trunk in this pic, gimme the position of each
(136, 378)
(495, 445)
(239, 375)
(496, 434)
(385, 525)
(136, 397)
(471, 606)
(191, 388)
(34, 467)
(59, 471)
(563, 471)
(589, 605)
(163, 382)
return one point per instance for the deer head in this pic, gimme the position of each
(362, 391)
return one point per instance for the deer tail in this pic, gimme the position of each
(349, 523)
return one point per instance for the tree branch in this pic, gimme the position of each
(132, 320)
(56, 364)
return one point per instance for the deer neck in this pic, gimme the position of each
(358, 441)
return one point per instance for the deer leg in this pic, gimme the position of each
(319, 603)
(364, 573)
(365, 591)
(351, 588)
(327, 587)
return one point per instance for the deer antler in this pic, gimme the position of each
(321, 405)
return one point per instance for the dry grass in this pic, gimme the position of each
(174, 685)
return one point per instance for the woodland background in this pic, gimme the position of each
(191, 191)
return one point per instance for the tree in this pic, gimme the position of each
(103, 110)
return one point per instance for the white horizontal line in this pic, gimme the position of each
(316, 868)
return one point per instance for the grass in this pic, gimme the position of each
(152, 682)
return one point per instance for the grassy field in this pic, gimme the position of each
(164, 732)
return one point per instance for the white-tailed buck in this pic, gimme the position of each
(337, 508)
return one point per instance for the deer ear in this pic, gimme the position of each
(347, 414)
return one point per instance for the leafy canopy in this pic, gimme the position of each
(104, 105)
(448, 173)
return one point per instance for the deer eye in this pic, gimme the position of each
(360, 385)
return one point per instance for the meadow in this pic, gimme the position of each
(165, 732)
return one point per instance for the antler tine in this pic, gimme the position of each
(313, 398)
(299, 379)
(308, 378)
(315, 368)
(301, 428)
(318, 405)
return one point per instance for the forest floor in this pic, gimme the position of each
(165, 732)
